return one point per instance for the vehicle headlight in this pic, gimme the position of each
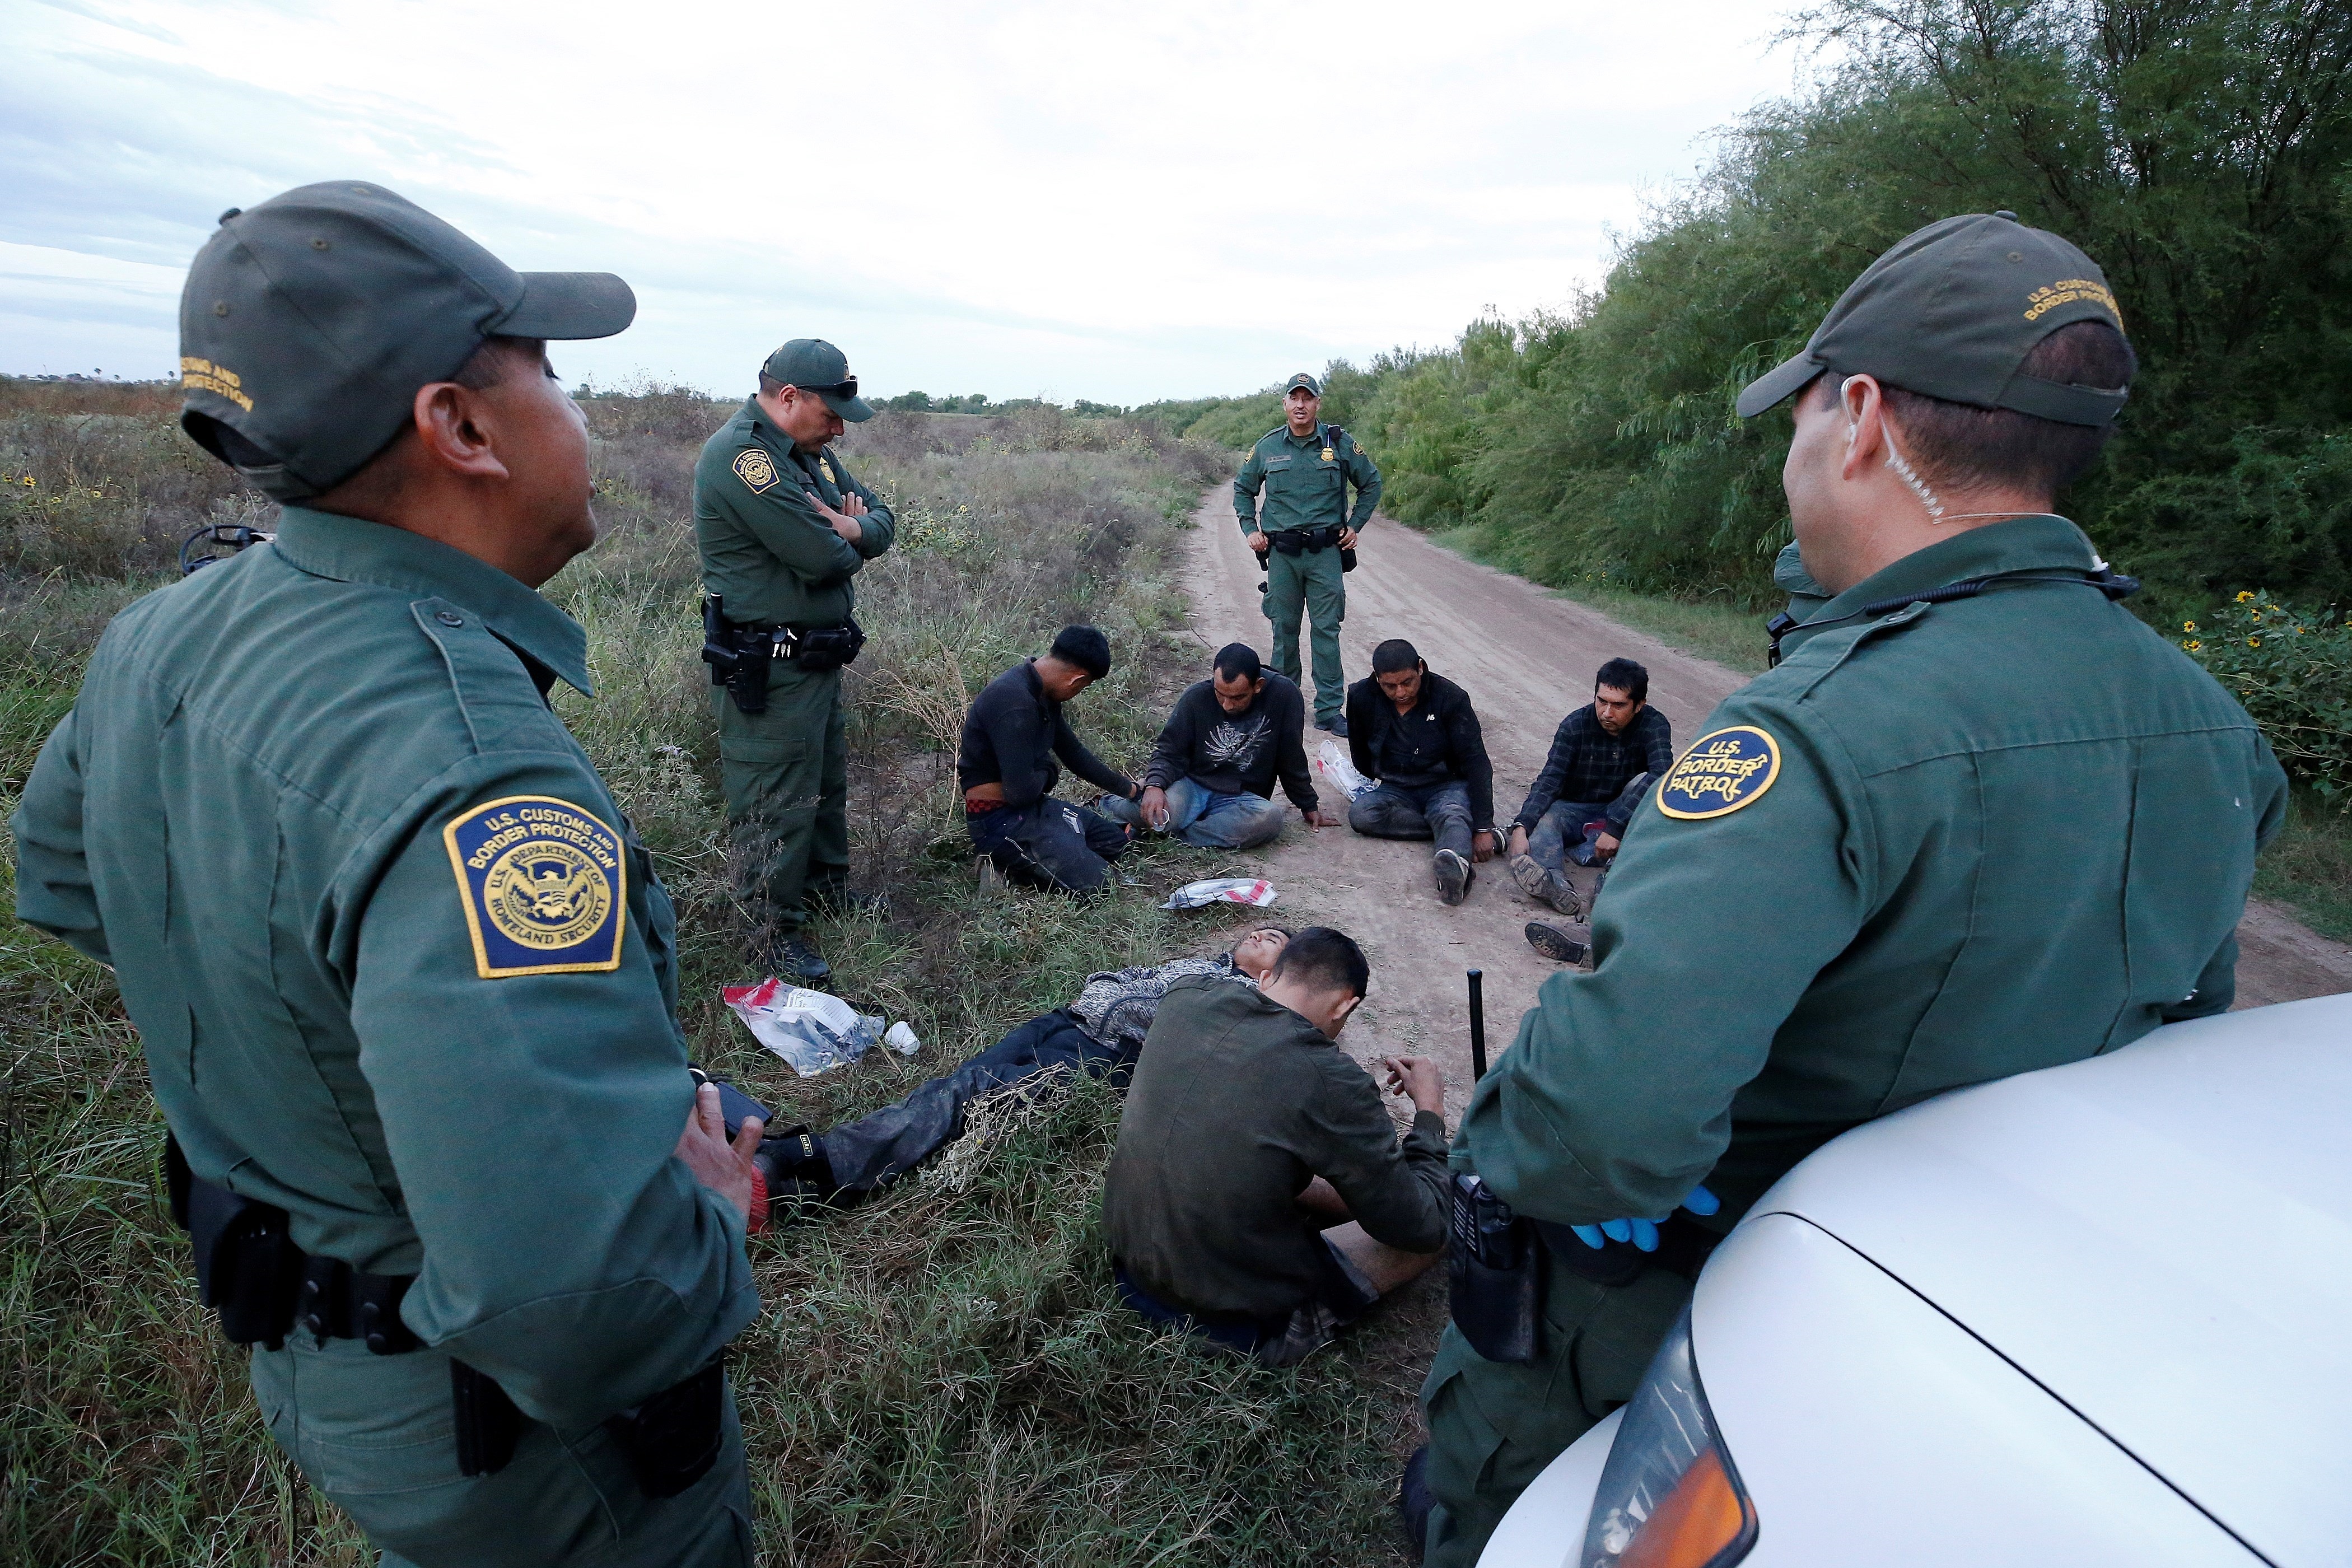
(1669, 1496)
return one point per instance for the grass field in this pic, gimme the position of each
(940, 1377)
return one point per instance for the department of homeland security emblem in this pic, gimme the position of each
(755, 468)
(1720, 774)
(544, 886)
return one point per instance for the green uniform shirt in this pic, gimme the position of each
(398, 962)
(1306, 482)
(1932, 847)
(765, 551)
(1237, 1103)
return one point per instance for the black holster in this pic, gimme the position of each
(737, 659)
(672, 1440)
(248, 1269)
(1495, 1269)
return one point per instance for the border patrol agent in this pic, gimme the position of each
(784, 528)
(402, 973)
(1306, 535)
(1978, 820)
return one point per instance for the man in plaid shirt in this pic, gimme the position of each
(1602, 760)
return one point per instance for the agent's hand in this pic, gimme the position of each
(725, 1168)
(1259, 542)
(1154, 804)
(1518, 839)
(845, 523)
(1481, 847)
(1347, 538)
(1642, 1233)
(1419, 1080)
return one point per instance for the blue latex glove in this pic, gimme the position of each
(1642, 1233)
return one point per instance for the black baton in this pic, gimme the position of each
(1477, 1025)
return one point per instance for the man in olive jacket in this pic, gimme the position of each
(1259, 1194)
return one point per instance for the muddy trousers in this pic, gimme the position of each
(1493, 1426)
(865, 1154)
(1051, 844)
(375, 1433)
(785, 775)
(1309, 580)
(1439, 810)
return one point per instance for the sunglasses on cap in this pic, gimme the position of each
(833, 389)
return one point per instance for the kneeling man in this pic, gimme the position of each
(1012, 735)
(1258, 1194)
(1210, 782)
(1418, 735)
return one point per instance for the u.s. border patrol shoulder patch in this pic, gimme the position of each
(755, 468)
(1721, 773)
(544, 884)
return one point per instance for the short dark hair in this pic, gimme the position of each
(1957, 445)
(1238, 658)
(769, 384)
(1626, 676)
(1394, 655)
(1327, 960)
(1084, 647)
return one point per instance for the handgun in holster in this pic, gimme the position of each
(1496, 1264)
(738, 662)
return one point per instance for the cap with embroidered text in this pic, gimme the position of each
(1314, 387)
(308, 322)
(1952, 312)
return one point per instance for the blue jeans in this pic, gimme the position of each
(1559, 835)
(1050, 844)
(1208, 820)
(1439, 810)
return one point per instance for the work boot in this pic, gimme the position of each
(1562, 941)
(1560, 894)
(1453, 877)
(1528, 875)
(796, 959)
(794, 1164)
(1414, 1501)
(1338, 726)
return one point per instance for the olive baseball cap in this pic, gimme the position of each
(1314, 387)
(1951, 311)
(815, 365)
(308, 322)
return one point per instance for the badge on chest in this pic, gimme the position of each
(544, 886)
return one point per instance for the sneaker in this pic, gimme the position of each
(1530, 876)
(796, 959)
(793, 1163)
(1562, 941)
(1560, 894)
(1338, 726)
(1454, 876)
(1415, 1500)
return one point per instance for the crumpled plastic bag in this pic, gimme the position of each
(1255, 891)
(813, 1030)
(1340, 769)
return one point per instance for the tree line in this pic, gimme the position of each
(2200, 150)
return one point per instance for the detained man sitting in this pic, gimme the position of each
(1210, 782)
(1258, 1195)
(1099, 1034)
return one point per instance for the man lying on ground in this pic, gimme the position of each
(1604, 758)
(1012, 735)
(1099, 1034)
(1210, 781)
(1258, 1195)
(1418, 735)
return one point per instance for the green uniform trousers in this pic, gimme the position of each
(1493, 1426)
(375, 1433)
(1309, 580)
(785, 773)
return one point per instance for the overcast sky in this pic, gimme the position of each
(1113, 202)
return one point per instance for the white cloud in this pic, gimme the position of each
(1103, 201)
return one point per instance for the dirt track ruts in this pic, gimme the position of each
(1526, 657)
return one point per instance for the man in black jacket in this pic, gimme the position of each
(1012, 735)
(1602, 760)
(1211, 779)
(1418, 735)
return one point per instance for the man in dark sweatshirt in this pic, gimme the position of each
(1258, 1194)
(1210, 779)
(1418, 735)
(1012, 735)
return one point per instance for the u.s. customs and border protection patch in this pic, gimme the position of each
(1721, 773)
(755, 468)
(545, 887)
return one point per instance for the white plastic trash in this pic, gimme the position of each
(1255, 891)
(1341, 770)
(902, 1039)
(813, 1030)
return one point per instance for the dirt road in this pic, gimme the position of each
(1525, 658)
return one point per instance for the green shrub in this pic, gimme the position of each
(2293, 669)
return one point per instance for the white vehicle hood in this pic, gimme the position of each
(2161, 1238)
